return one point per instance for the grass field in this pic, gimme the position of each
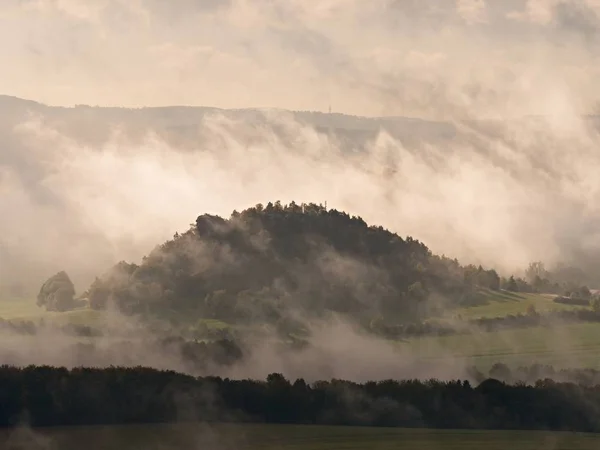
(16, 310)
(503, 303)
(575, 346)
(28, 310)
(300, 437)
(496, 304)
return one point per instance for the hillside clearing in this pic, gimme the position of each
(504, 303)
(573, 346)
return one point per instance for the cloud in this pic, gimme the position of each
(76, 9)
(578, 17)
(294, 54)
(473, 11)
(536, 11)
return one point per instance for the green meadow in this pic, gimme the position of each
(292, 437)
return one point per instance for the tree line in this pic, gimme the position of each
(50, 396)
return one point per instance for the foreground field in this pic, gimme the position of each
(300, 437)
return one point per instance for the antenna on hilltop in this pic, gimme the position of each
(329, 126)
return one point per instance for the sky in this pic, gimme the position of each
(425, 58)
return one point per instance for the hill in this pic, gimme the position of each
(280, 263)
(180, 126)
(187, 116)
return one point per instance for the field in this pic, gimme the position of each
(300, 437)
(494, 304)
(503, 303)
(574, 346)
(28, 310)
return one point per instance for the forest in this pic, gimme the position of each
(47, 396)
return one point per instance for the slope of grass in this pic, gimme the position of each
(300, 437)
(19, 309)
(503, 303)
(574, 345)
(27, 309)
(494, 304)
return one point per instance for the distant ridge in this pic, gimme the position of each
(181, 115)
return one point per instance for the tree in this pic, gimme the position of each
(417, 291)
(501, 371)
(493, 280)
(585, 293)
(512, 285)
(535, 269)
(57, 293)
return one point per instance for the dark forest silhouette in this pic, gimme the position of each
(47, 396)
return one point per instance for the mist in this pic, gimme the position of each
(499, 171)
(497, 193)
(468, 125)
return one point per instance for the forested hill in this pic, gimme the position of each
(279, 262)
